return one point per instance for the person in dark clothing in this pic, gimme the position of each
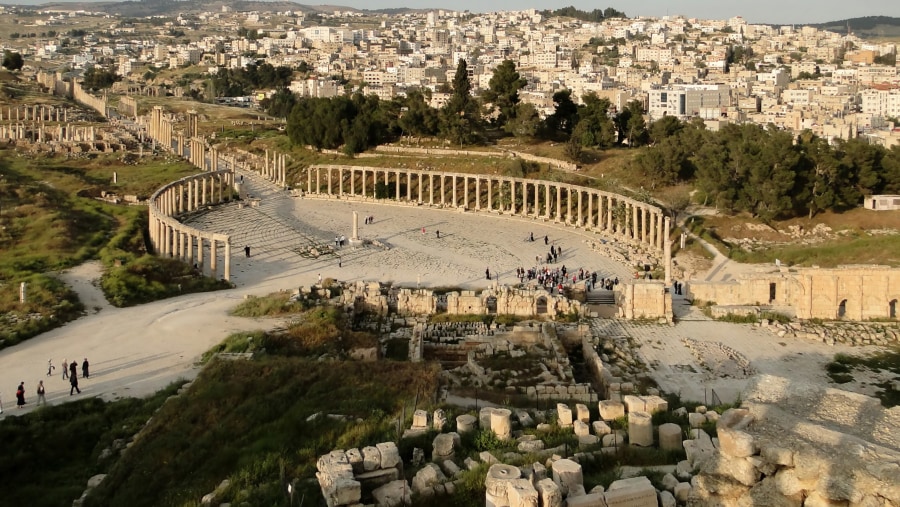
(73, 381)
(84, 369)
(546, 240)
(20, 395)
(73, 369)
(247, 251)
(65, 369)
(487, 273)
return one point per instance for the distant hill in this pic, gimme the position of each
(867, 27)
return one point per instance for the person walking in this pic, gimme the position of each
(320, 278)
(487, 273)
(84, 369)
(20, 395)
(41, 393)
(247, 251)
(546, 240)
(50, 367)
(65, 368)
(73, 381)
(73, 369)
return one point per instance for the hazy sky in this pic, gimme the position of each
(754, 11)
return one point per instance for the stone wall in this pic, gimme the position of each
(845, 292)
(644, 299)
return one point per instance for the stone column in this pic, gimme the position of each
(329, 180)
(354, 236)
(189, 255)
(667, 251)
(200, 254)
(610, 211)
(524, 199)
(455, 184)
(645, 224)
(477, 193)
(430, 189)
(309, 181)
(490, 194)
(213, 256)
(227, 259)
(558, 202)
(420, 181)
(465, 192)
(409, 185)
(580, 206)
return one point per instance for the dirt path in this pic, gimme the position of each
(85, 281)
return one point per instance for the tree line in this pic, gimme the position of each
(761, 170)
(765, 171)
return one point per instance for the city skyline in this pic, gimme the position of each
(761, 11)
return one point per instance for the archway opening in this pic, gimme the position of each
(491, 304)
(842, 309)
(541, 305)
(892, 309)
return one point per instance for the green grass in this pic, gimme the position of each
(49, 454)
(271, 305)
(247, 421)
(884, 250)
(50, 220)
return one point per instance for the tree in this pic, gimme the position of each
(419, 119)
(503, 91)
(96, 78)
(667, 126)
(595, 128)
(565, 116)
(460, 117)
(12, 61)
(280, 104)
(526, 122)
(631, 124)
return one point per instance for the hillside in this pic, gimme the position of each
(866, 27)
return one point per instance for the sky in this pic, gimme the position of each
(754, 11)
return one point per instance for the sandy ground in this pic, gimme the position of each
(136, 351)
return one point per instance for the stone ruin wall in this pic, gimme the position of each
(644, 299)
(867, 292)
(368, 296)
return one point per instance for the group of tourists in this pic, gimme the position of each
(69, 372)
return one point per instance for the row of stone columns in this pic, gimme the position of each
(35, 113)
(635, 221)
(172, 238)
(39, 132)
(161, 128)
(274, 168)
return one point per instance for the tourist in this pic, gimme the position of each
(84, 369)
(73, 369)
(487, 273)
(20, 395)
(73, 381)
(50, 367)
(343, 239)
(531, 237)
(546, 240)
(65, 368)
(247, 251)
(320, 278)
(423, 231)
(438, 234)
(41, 392)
